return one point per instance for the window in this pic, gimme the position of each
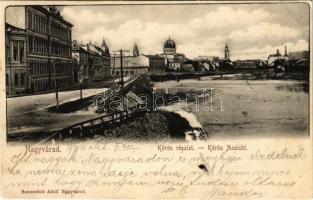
(30, 20)
(39, 24)
(41, 68)
(31, 68)
(23, 75)
(35, 67)
(18, 51)
(35, 22)
(40, 46)
(43, 46)
(7, 79)
(15, 51)
(52, 48)
(30, 43)
(45, 25)
(21, 48)
(36, 45)
(16, 79)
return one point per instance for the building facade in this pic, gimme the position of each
(157, 64)
(92, 62)
(273, 59)
(132, 65)
(249, 64)
(173, 60)
(99, 61)
(299, 55)
(47, 46)
(80, 62)
(16, 62)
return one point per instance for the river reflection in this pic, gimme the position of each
(296, 87)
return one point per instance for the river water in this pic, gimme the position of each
(248, 108)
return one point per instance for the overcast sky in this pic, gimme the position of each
(252, 31)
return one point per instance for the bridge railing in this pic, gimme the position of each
(88, 127)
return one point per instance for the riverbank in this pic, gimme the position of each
(248, 74)
(151, 126)
(247, 108)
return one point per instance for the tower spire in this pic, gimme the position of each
(286, 53)
(135, 50)
(103, 42)
(226, 52)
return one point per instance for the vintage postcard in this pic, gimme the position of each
(156, 99)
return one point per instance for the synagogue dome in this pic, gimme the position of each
(169, 43)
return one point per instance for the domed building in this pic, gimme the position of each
(173, 60)
(169, 47)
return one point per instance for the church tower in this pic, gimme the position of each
(286, 54)
(135, 50)
(105, 47)
(226, 51)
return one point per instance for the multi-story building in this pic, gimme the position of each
(48, 48)
(99, 60)
(299, 55)
(93, 62)
(80, 62)
(132, 64)
(156, 64)
(273, 59)
(249, 64)
(16, 62)
(173, 60)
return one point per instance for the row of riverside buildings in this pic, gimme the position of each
(40, 54)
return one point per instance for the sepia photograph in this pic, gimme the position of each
(186, 72)
(156, 99)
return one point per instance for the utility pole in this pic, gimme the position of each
(113, 72)
(121, 70)
(121, 65)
